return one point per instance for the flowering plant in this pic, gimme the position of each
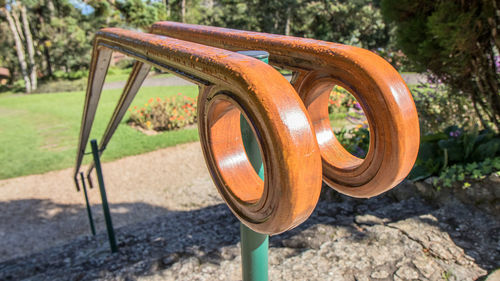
(340, 100)
(165, 114)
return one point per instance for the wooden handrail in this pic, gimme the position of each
(230, 84)
(318, 66)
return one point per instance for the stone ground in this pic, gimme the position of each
(177, 228)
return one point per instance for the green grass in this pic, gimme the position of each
(39, 132)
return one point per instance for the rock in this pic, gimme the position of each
(369, 220)
(381, 273)
(495, 276)
(403, 191)
(170, 259)
(406, 273)
(426, 266)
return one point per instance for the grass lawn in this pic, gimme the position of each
(39, 132)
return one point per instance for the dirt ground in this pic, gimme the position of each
(42, 211)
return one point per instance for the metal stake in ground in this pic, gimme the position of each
(254, 245)
(105, 206)
(89, 211)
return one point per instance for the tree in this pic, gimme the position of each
(19, 46)
(8, 58)
(30, 48)
(138, 13)
(458, 42)
(357, 22)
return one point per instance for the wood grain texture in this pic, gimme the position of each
(318, 66)
(232, 83)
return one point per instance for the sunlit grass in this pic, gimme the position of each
(39, 132)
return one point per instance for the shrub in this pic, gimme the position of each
(125, 63)
(114, 70)
(62, 86)
(340, 100)
(79, 74)
(438, 108)
(165, 114)
(455, 154)
(456, 41)
(355, 140)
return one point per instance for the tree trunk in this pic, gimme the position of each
(166, 3)
(15, 16)
(19, 49)
(183, 10)
(29, 47)
(50, 5)
(288, 19)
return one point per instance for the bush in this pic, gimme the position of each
(456, 154)
(72, 75)
(165, 114)
(62, 86)
(355, 140)
(457, 42)
(396, 58)
(113, 70)
(125, 63)
(340, 100)
(79, 74)
(438, 108)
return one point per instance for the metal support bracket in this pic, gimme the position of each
(102, 189)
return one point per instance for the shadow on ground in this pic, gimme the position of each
(210, 235)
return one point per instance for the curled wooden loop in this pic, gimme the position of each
(291, 159)
(385, 164)
(319, 65)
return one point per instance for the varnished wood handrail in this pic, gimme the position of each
(230, 84)
(318, 66)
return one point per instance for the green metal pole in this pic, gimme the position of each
(89, 211)
(254, 245)
(105, 206)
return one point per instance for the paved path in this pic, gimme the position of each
(171, 80)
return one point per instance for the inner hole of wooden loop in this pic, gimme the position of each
(236, 153)
(340, 125)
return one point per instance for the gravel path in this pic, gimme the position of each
(42, 211)
(171, 225)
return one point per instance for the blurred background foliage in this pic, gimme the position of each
(62, 30)
(454, 44)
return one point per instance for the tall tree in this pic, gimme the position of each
(8, 58)
(19, 47)
(30, 48)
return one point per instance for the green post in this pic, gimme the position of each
(89, 211)
(254, 245)
(105, 206)
(254, 252)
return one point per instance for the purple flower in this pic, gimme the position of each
(359, 152)
(455, 134)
